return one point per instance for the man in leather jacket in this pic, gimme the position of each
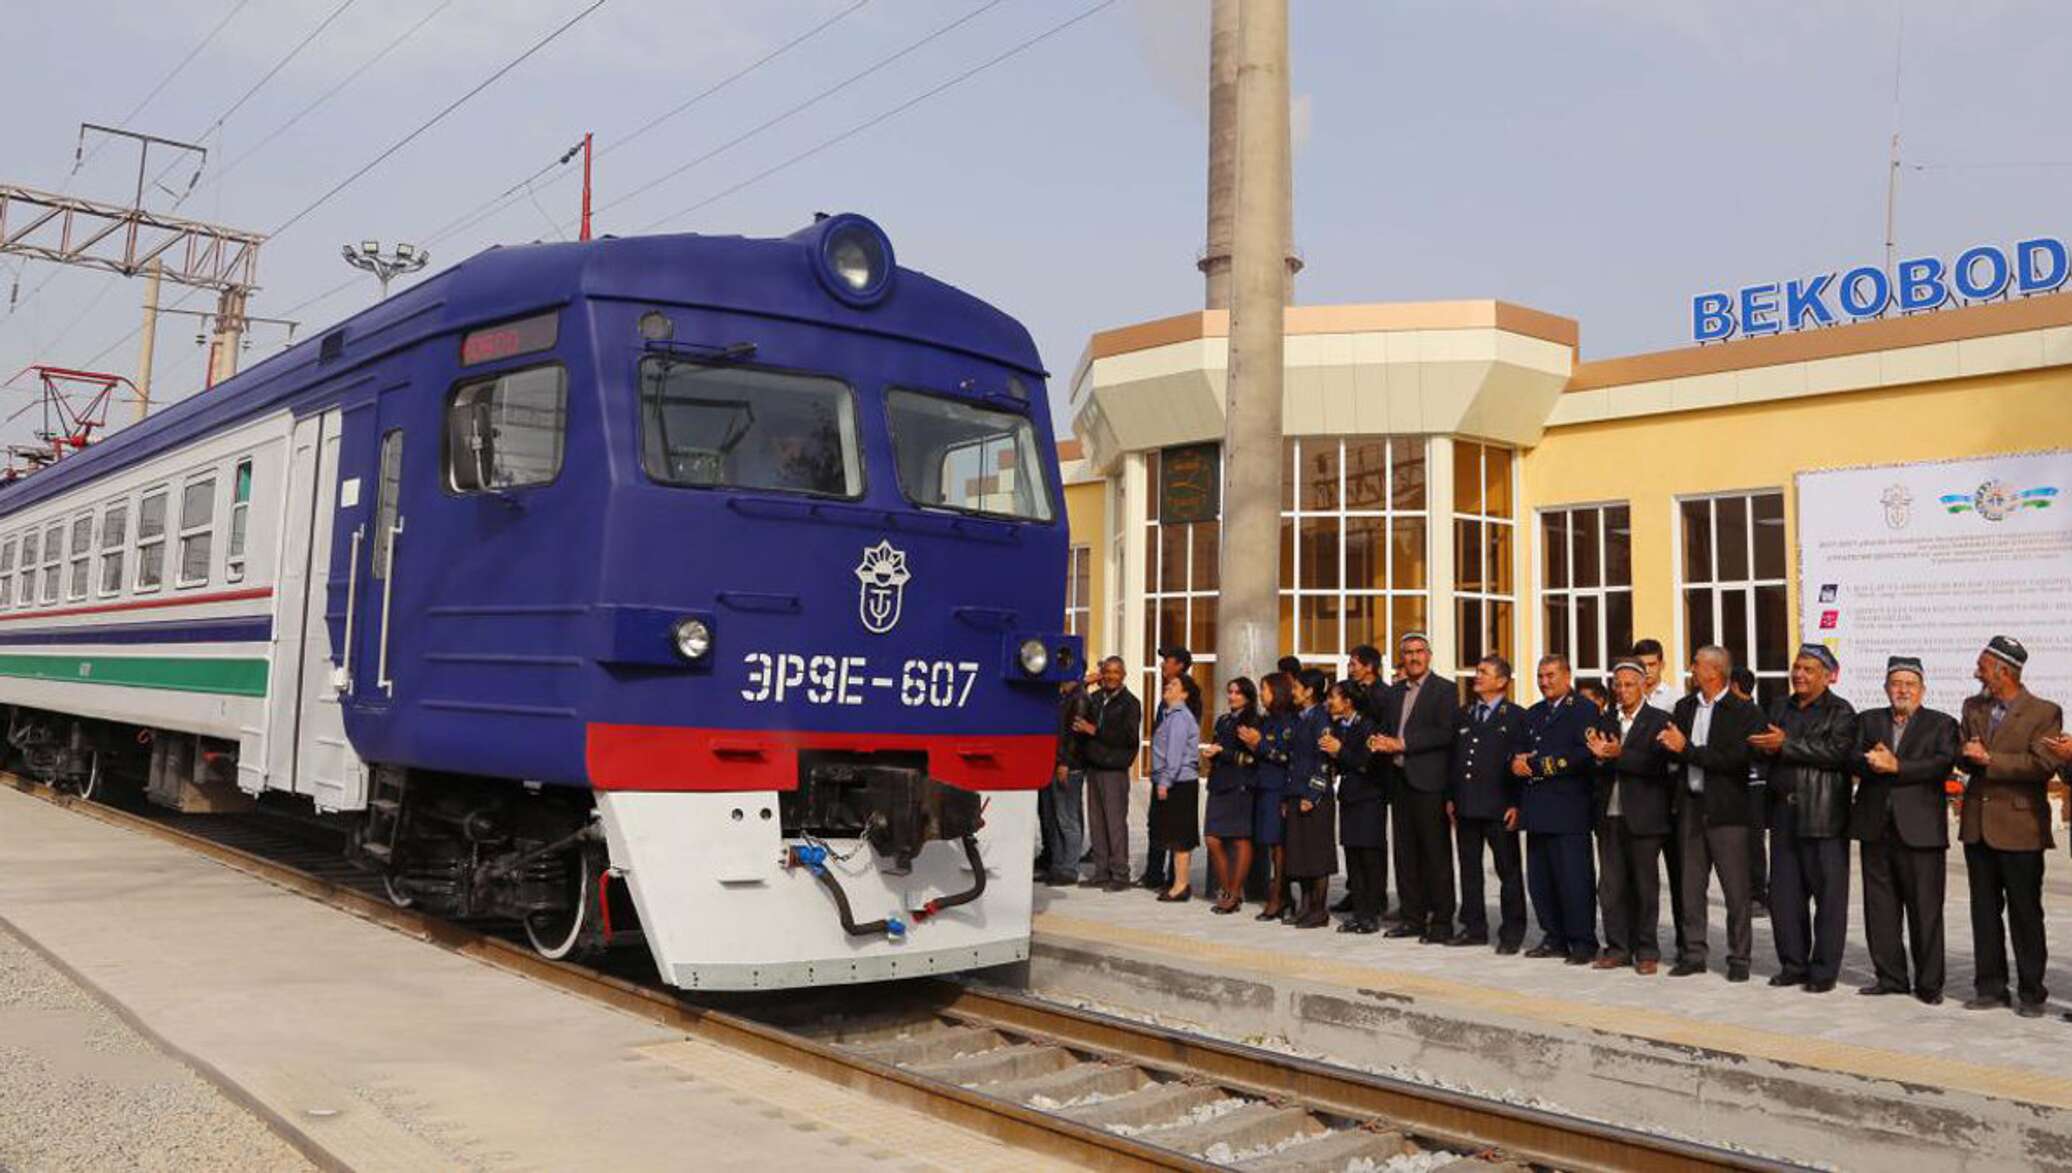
(1808, 746)
(1111, 725)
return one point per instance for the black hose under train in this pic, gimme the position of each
(926, 911)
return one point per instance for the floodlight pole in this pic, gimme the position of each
(367, 255)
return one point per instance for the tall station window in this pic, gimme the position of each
(1586, 585)
(1484, 537)
(1183, 514)
(1079, 591)
(1354, 543)
(1732, 581)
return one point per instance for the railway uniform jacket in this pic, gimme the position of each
(1724, 758)
(1309, 772)
(1276, 744)
(2004, 805)
(1811, 772)
(1558, 791)
(1234, 767)
(1908, 804)
(1362, 811)
(1427, 735)
(1640, 774)
(1118, 724)
(1479, 783)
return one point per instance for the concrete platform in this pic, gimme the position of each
(1834, 1079)
(369, 1050)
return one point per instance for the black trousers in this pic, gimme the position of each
(1367, 880)
(1896, 879)
(2010, 880)
(1809, 898)
(1629, 890)
(1471, 836)
(1758, 846)
(1559, 878)
(1158, 862)
(1672, 860)
(1707, 850)
(1424, 859)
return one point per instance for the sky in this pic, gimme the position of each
(1601, 159)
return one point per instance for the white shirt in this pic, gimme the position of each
(1626, 720)
(1664, 697)
(1701, 730)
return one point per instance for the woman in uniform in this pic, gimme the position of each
(1312, 839)
(1362, 815)
(1175, 768)
(1269, 742)
(1228, 823)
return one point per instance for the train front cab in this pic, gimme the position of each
(838, 572)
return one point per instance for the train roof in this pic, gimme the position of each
(770, 277)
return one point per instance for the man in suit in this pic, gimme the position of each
(1556, 769)
(1112, 724)
(1743, 683)
(1806, 746)
(1708, 739)
(1482, 798)
(1661, 695)
(1633, 820)
(1370, 697)
(1417, 737)
(1903, 756)
(2005, 825)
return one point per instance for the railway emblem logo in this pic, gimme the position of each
(1899, 506)
(1996, 500)
(883, 574)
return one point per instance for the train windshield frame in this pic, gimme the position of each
(966, 458)
(750, 429)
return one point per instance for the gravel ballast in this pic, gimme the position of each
(81, 1090)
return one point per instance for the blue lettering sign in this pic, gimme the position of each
(1855, 301)
(2034, 279)
(1712, 316)
(1921, 284)
(1759, 310)
(1964, 276)
(1802, 301)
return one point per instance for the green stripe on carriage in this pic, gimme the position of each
(221, 676)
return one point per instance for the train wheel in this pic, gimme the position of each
(558, 936)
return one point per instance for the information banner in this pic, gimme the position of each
(1932, 560)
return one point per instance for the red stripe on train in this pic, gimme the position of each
(668, 757)
(140, 604)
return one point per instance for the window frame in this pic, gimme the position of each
(185, 532)
(164, 492)
(1079, 613)
(1569, 594)
(53, 563)
(26, 571)
(863, 469)
(491, 378)
(79, 556)
(386, 503)
(1049, 492)
(7, 553)
(120, 507)
(236, 536)
(1770, 682)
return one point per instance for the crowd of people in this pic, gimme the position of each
(1303, 771)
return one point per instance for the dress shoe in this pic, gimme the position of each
(1148, 880)
(1358, 925)
(1880, 989)
(1788, 978)
(1580, 959)
(1819, 986)
(1268, 913)
(1464, 937)
(1931, 999)
(1507, 948)
(1345, 904)
(1181, 897)
(1116, 886)
(1544, 950)
(1686, 968)
(1314, 920)
(1392, 916)
(1061, 879)
(1645, 967)
(1222, 908)
(2029, 1009)
(1433, 937)
(1737, 972)
(1401, 931)
(1988, 1002)
(1290, 914)
(1608, 961)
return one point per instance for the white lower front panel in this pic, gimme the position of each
(722, 912)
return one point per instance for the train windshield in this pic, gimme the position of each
(726, 426)
(953, 455)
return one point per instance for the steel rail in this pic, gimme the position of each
(1457, 1119)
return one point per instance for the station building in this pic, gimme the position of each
(1454, 468)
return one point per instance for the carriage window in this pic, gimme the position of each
(151, 540)
(27, 594)
(385, 499)
(741, 428)
(53, 561)
(197, 521)
(506, 432)
(114, 533)
(82, 557)
(955, 455)
(7, 573)
(240, 508)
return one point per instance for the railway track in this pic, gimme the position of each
(1088, 1088)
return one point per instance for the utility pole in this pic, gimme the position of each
(1248, 610)
(586, 187)
(1214, 262)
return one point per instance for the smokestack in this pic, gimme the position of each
(1215, 260)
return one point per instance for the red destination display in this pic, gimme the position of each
(523, 336)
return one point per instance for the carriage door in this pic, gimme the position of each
(377, 653)
(307, 750)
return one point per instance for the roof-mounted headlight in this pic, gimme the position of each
(855, 260)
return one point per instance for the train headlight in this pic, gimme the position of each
(1034, 657)
(693, 638)
(855, 259)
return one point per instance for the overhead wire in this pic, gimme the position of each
(895, 111)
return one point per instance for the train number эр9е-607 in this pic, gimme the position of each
(689, 591)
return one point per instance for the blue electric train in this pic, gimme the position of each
(689, 590)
